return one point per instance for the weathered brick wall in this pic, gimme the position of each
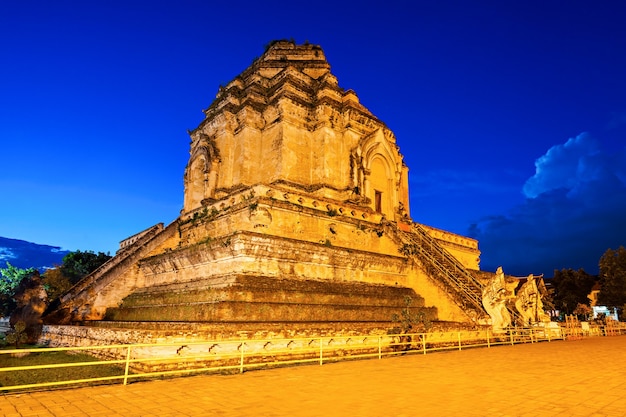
(268, 299)
(168, 346)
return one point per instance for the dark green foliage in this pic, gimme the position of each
(410, 320)
(17, 335)
(55, 282)
(613, 278)
(77, 265)
(10, 278)
(408, 250)
(571, 288)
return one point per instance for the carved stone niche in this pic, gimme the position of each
(201, 173)
(260, 217)
(379, 175)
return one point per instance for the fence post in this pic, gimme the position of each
(321, 348)
(424, 335)
(380, 341)
(241, 361)
(488, 341)
(549, 332)
(459, 334)
(127, 364)
(511, 333)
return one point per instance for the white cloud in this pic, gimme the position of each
(564, 166)
(575, 210)
(5, 255)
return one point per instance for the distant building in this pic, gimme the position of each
(599, 309)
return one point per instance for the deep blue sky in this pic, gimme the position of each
(511, 115)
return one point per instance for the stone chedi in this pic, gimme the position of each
(295, 215)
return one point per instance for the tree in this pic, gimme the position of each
(17, 334)
(77, 265)
(613, 278)
(31, 301)
(408, 321)
(10, 278)
(55, 282)
(583, 310)
(571, 288)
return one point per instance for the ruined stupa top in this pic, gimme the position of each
(307, 58)
(285, 62)
(285, 120)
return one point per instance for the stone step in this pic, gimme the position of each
(233, 311)
(273, 290)
(256, 295)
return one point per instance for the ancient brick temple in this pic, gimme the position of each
(295, 216)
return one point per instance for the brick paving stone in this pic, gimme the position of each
(560, 378)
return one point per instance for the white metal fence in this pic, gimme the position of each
(132, 362)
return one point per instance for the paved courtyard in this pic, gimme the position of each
(560, 378)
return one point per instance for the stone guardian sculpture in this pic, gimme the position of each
(494, 296)
(529, 304)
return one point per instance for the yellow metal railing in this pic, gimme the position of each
(142, 360)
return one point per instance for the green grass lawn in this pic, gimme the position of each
(35, 376)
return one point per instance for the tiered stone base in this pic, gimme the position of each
(260, 299)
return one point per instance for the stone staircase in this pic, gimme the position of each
(440, 265)
(76, 303)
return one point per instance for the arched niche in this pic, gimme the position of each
(380, 173)
(195, 183)
(381, 184)
(201, 173)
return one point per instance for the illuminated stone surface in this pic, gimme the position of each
(296, 206)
